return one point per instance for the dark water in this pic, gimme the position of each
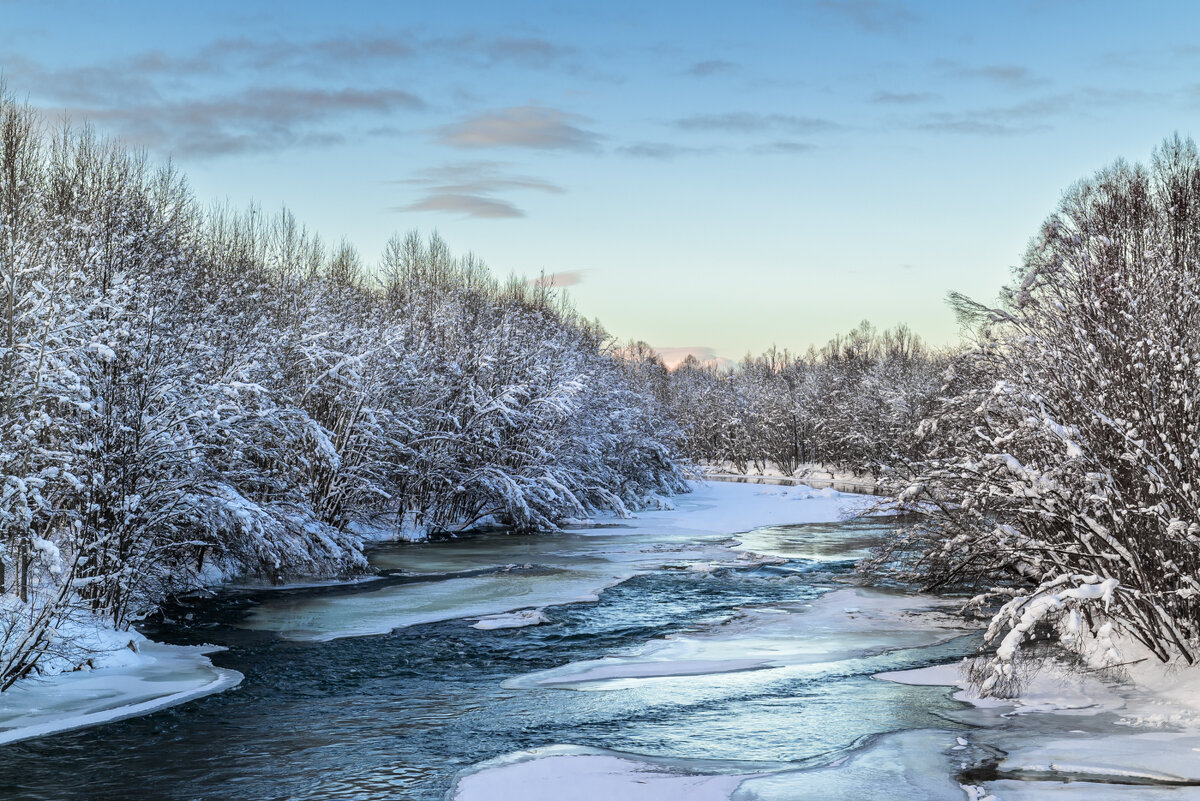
(396, 716)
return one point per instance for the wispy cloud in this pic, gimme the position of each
(904, 98)
(534, 127)
(254, 120)
(470, 189)
(715, 66)
(557, 280)
(875, 16)
(660, 150)
(274, 92)
(1012, 76)
(673, 357)
(1031, 116)
(783, 148)
(749, 122)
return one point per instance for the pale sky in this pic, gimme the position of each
(706, 175)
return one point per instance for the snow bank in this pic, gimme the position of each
(1055, 688)
(1154, 745)
(129, 684)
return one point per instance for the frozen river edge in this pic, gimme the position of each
(154, 677)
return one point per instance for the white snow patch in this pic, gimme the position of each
(512, 620)
(130, 684)
(564, 772)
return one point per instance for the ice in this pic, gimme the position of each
(512, 620)
(911, 764)
(841, 625)
(546, 569)
(565, 772)
(155, 677)
(816, 542)
(1161, 757)
(379, 610)
(1055, 688)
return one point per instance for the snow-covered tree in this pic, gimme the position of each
(1062, 478)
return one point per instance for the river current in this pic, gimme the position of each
(398, 715)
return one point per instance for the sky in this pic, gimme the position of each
(710, 177)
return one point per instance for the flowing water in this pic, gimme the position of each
(722, 666)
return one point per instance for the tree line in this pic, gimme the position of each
(852, 405)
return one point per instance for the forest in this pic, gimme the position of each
(193, 393)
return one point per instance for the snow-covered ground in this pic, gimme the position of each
(568, 567)
(1145, 742)
(127, 683)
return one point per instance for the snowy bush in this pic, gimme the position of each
(1062, 476)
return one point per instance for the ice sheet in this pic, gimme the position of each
(841, 625)
(381, 610)
(158, 676)
(564, 772)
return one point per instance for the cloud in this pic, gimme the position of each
(532, 127)
(904, 98)
(322, 56)
(242, 94)
(470, 189)
(1032, 116)
(1009, 75)
(749, 122)
(876, 16)
(716, 66)
(660, 150)
(976, 126)
(783, 147)
(557, 280)
(254, 120)
(466, 205)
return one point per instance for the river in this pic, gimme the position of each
(699, 658)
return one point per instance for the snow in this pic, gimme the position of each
(512, 620)
(154, 677)
(569, 567)
(911, 764)
(1147, 729)
(563, 772)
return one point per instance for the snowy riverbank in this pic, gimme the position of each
(1145, 745)
(125, 683)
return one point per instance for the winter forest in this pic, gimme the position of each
(195, 394)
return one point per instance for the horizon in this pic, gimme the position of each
(716, 182)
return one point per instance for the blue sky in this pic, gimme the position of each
(705, 175)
